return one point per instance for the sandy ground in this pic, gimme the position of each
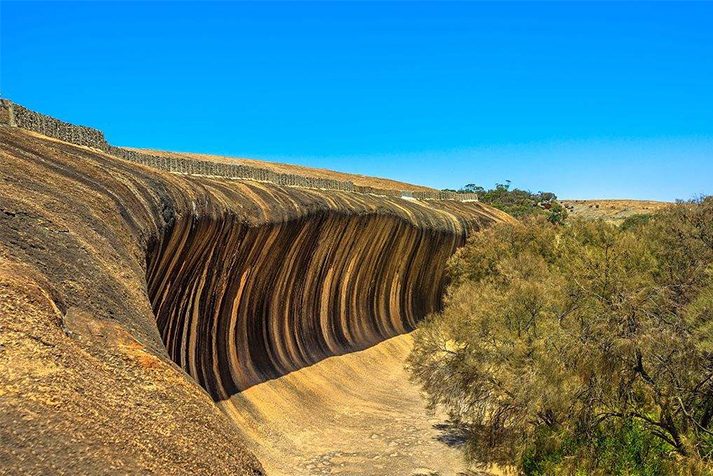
(354, 414)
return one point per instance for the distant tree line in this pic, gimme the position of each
(580, 348)
(516, 202)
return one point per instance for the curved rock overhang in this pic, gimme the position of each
(107, 268)
(237, 305)
(249, 281)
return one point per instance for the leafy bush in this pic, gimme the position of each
(625, 448)
(580, 349)
(636, 221)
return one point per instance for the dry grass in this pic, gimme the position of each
(614, 211)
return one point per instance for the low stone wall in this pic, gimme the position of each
(14, 115)
(232, 171)
(379, 191)
(463, 197)
(20, 116)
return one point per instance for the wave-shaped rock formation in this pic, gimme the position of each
(109, 267)
(240, 303)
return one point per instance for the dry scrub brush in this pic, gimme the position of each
(580, 348)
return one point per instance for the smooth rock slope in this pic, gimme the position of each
(353, 414)
(125, 289)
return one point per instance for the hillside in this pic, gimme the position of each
(614, 211)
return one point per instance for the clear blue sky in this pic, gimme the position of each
(589, 100)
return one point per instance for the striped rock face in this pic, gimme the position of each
(239, 304)
(237, 282)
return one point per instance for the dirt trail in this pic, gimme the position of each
(354, 414)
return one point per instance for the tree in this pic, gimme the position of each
(581, 347)
(471, 188)
(519, 203)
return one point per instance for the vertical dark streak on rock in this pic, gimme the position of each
(289, 294)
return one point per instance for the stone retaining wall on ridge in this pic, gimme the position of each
(15, 115)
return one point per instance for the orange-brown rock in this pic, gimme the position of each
(111, 271)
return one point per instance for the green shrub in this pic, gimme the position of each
(621, 449)
(580, 349)
(519, 203)
(637, 221)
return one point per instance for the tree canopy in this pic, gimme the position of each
(518, 203)
(582, 348)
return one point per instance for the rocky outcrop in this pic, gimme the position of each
(238, 304)
(109, 268)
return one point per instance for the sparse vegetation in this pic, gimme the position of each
(634, 222)
(580, 349)
(518, 203)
